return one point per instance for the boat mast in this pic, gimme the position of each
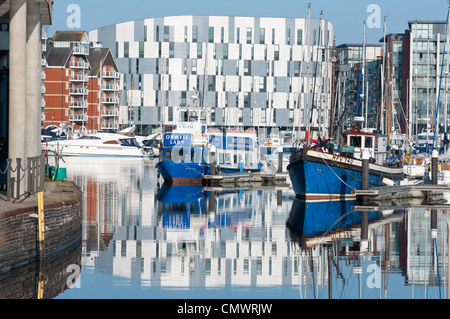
(361, 75)
(436, 128)
(383, 79)
(308, 50)
(130, 104)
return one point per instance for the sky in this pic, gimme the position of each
(347, 16)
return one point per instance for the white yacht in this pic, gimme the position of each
(99, 144)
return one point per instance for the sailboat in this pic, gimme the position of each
(317, 172)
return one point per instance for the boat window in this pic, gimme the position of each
(129, 142)
(355, 141)
(151, 143)
(111, 142)
(368, 142)
(168, 155)
(89, 137)
(193, 117)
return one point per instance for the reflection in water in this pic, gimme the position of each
(142, 239)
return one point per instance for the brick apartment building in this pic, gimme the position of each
(81, 84)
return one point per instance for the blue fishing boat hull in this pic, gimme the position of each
(316, 175)
(314, 218)
(181, 173)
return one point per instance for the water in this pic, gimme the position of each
(142, 239)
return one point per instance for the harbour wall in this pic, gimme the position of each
(19, 245)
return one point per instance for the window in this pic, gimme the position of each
(194, 66)
(126, 49)
(166, 33)
(145, 33)
(263, 115)
(299, 37)
(262, 35)
(246, 101)
(273, 36)
(141, 49)
(211, 35)
(249, 35)
(222, 34)
(225, 51)
(288, 36)
(157, 33)
(276, 52)
(199, 50)
(185, 33)
(247, 67)
(171, 50)
(194, 33)
(238, 30)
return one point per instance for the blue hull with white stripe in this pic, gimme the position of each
(317, 175)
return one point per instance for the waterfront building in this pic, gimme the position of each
(426, 46)
(351, 80)
(81, 85)
(250, 72)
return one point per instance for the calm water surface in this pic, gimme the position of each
(145, 239)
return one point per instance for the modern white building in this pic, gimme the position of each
(250, 72)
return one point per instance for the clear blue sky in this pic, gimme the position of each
(347, 16)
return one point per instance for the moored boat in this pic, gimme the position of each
(99, 144)
(321, 174)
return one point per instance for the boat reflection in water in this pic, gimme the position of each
(355, 253)
(145, 241)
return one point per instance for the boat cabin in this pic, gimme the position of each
(356, 139)
(235, 148)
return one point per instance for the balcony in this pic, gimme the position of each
(43, 75)
(110, 126)
(79, 65)
(74, 77)
(79, 49)
(110, 100)
(42, 102)
(110, 113)
(111, 74)
(78, 91)
(78, 118)
(78, 104)
(110, 87)
(43, 89)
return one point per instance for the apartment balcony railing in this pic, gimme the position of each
(79, 49)
(43, 75)
(78, 117)
(110, 87)
(42, 102)
(79, 64)
(78, 104)
(78, 78)
(110, 125)
(110, 100)
(110, 74)
(78, 91)
(110, 113)
(43, 89)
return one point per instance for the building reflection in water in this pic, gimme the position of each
(185, 237)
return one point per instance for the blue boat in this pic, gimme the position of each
(185, 154)
(318, 174)
(310, 219)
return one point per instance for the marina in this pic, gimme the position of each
(223, 157)
(143, 238)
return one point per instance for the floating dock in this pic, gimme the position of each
(427, 194)
(247, 179)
